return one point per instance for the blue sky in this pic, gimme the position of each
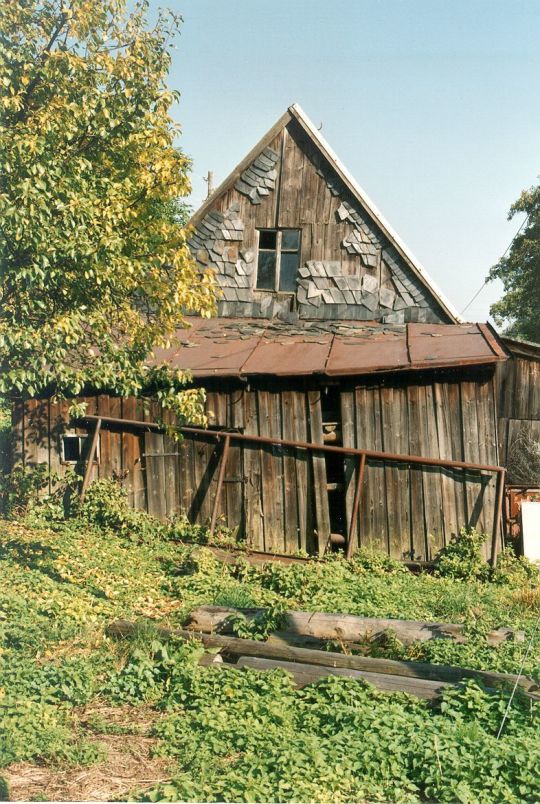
(433, 105)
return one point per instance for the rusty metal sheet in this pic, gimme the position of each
(289, 356)
(240, 347)
(380, 352)
(211, 356)
(456, 344)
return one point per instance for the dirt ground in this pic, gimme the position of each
(128, 766)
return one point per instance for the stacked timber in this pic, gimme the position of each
(306, 665)
(343, 627)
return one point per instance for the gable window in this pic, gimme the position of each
(278, 260)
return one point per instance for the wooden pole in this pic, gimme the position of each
(90, 461)
(221, 475)
(356, 505)
(210, 182)
(498, 517)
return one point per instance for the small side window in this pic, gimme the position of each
(72, 447)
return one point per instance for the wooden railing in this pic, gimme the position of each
(364, 455)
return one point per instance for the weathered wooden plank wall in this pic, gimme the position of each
(413, 512)
(38, 427)
(306, 193)
(276, 497)
(518, 385)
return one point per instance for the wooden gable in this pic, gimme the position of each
(351, 265)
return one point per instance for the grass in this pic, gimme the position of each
(72, 698)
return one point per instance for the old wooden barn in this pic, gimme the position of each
(347, 402)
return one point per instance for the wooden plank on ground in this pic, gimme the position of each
(277, 648)
(346, 627)
(304, 674)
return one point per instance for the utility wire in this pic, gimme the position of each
(509, 246)
(520, 673)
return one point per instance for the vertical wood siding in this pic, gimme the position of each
(276, 497)
(308, 195)
(518, 386)
(414, 512)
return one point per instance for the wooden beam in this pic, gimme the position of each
(347, 627)
(221, 475)
(498, 527)
(275, 648)
(90, 461)
(356, 506)
(304, 674)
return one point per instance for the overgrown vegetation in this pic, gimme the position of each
(518, 270)
(96, 271)
(239, 735)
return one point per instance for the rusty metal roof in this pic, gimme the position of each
(233, 347)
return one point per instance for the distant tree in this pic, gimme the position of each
(95, 270)
(519, 271)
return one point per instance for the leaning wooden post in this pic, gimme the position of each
(221, 475)
(356, 505)
(497, 516)
(90, 461)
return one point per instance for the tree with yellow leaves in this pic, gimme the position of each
(95, 270)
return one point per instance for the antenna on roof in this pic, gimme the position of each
(209, 179)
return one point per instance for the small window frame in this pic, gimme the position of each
(82, 438)
(278, 250)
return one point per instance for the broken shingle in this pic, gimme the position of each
(387, 297)
(369, 283)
